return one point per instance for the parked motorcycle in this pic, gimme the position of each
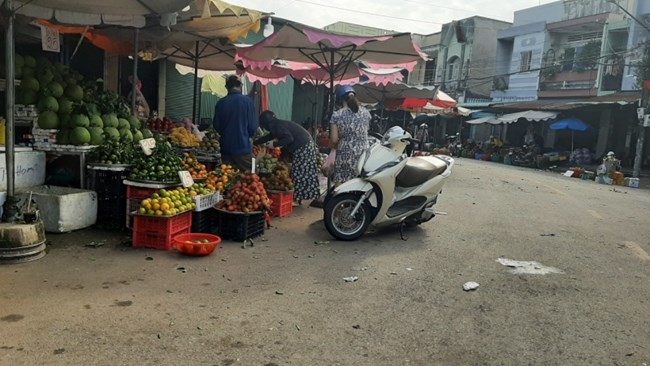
(454, 145)
(391, 188)
(525, 156)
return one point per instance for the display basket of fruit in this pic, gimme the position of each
(196, 244)
(158, 232)
(206, 201)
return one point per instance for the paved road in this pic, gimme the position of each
(284, 301)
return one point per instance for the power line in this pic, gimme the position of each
(368, 13)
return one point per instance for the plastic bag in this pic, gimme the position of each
(329, 164)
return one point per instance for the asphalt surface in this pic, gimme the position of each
(284, 301)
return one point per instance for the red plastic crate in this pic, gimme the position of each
(281, 203)
(167, 224)
(133, 192)
(154, 240)
(158, 232)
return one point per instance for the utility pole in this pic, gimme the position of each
(645, 95)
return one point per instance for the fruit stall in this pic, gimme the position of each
(159, 178)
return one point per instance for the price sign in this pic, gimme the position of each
(147, 145)
(50, 40)
(186, 178)
(253, 165)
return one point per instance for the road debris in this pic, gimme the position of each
(356, 326)
(551, 234)
(279, 292)
(470, 286)
(351, 279)
(181, 269)
(321, 242)
(527, 267)
(94, 244)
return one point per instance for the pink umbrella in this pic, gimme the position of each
(331, 52)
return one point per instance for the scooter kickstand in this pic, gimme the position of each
(401, 231)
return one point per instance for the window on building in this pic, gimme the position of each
(525, 61)
(453, 69)
(430, 72)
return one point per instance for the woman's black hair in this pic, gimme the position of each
(265, 119)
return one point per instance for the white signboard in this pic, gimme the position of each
(50, 40)
(186, 178)
(147, 145)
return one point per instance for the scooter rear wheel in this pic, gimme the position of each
(337, 217)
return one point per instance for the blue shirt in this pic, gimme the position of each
(236, 122)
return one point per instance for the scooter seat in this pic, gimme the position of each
(419, 170)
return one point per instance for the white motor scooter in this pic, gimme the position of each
(391, 188)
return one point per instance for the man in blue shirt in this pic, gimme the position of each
(236, 122)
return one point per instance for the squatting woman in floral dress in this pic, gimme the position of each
(348, 134)
(297, 142)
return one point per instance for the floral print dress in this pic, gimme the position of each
(353, 141)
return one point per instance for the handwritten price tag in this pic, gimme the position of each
(50, 40)
(186, 178)
(147, 145)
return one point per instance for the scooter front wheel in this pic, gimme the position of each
(338, 221)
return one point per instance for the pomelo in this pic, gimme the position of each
(48, 103)
(56, 90)
(29, 96)
(79, 136)
(96, 121)
(126, 135)
(63, 137)
(135, 123)
(48, 120)
(65, 121)
(96, 135)
(137, 136)
(122, 124)
(65, 105)
(30, 61)
(112, 133)
(74, 92)
(80, 120)
(30, 83)
(146, 133)
(110, 120)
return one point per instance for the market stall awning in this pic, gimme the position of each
(131, 13)
(300, 43)
(441, 99)
(371, 92)
(622, 98)
(533, 116)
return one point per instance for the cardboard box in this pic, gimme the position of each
(632, 182)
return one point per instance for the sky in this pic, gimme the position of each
(415, 16)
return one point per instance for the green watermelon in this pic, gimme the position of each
(28, 72)
(79, 136)
(19, 61)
